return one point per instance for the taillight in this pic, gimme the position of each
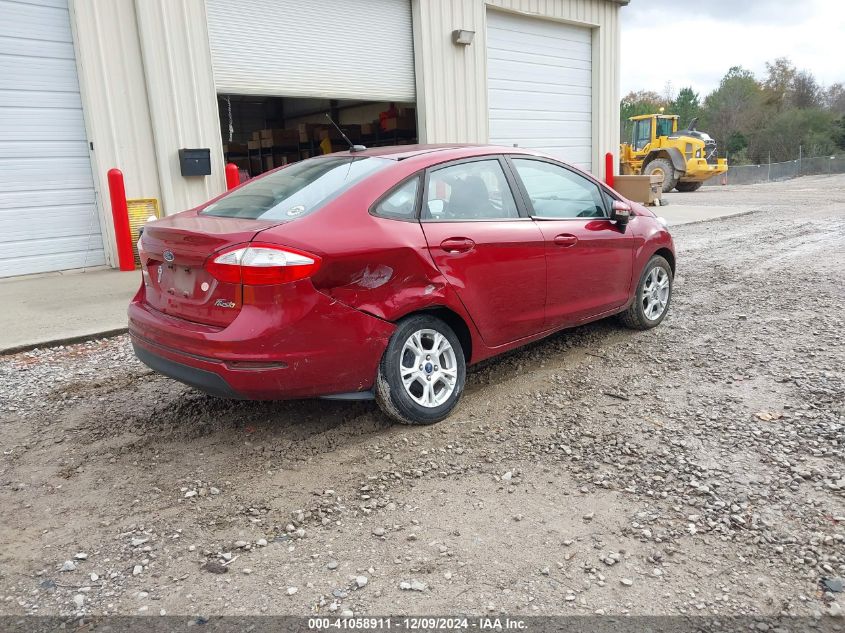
(142, 254)
(259, 264)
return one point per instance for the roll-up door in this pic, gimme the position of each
(355, 49)
(48, 213)
(539, 83)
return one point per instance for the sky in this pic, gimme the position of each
(695, 42)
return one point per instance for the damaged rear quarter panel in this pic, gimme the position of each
(392, 281)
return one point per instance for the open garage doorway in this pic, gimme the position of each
(261, 133)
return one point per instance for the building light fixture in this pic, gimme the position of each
(462, 37)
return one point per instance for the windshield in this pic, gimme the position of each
(664, 127)
(296, 190)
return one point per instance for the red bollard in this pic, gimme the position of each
(608, 169)
(120, 216)
(233, 177)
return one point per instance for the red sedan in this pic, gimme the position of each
(385, 272)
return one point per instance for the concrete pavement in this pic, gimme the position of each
(714, 203)
(39, 310)
(683, 212)
(42, 310)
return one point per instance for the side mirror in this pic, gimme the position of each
(620, 213)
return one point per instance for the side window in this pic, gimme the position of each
(608, 200)
(556, 192)
(642, 133)
(664, 127)
(476, 190)
(401, 203)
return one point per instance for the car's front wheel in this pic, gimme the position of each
(654, 293)
(422, 374)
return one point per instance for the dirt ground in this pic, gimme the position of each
(696, 468)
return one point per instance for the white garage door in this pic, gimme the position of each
(355, 49)
(48, 216)
(539, 84)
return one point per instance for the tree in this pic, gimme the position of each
(785, 86)
(780, 76)
(834, 99)
(736, 143)
(736, 106)
(805, 91)
(686, 105)
(839, 134)
(834, 102)
(812, 128)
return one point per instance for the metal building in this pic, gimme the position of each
(88, 85)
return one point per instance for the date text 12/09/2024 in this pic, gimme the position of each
(418, 624)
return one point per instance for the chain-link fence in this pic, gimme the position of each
(750, 174)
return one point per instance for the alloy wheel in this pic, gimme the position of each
(428, 367)
(655, 293)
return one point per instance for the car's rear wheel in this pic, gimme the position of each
(654, 294)
(422, 374)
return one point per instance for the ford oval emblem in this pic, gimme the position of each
(168, 256)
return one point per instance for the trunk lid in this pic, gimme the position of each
(175, 250)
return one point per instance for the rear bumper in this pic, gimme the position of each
(204, 380)
(315, 347)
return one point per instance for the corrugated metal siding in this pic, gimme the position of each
(451, 80)
(355, 49)
(451, 90)
(111, 75)
(181, 96)
(539, 79)
(48, 213)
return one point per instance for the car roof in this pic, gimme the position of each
(422, 156)
(455, 150)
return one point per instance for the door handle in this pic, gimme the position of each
(457, 244)
(565, 239)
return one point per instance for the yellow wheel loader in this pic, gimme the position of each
(685, 159)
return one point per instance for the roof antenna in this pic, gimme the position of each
(352, 147)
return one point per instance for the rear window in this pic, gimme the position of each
(296, 190)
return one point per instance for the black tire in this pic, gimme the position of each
(684, 187)
(664, 166)
(391, 394)
(635, 316)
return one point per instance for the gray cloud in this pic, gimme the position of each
(663, 12)
(699, 41)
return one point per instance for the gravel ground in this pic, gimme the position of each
(693, 469)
